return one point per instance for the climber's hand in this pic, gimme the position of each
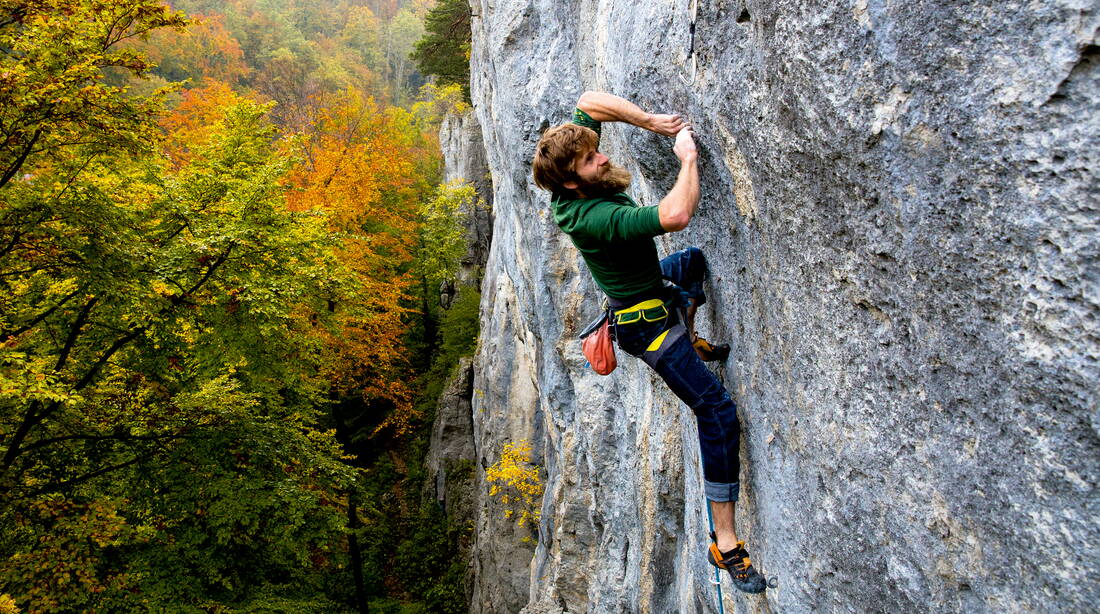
(667, 125)
(685, 145)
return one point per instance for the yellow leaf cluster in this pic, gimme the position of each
(515, 482)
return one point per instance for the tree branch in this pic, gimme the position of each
(21, 159)
(84, 478)
(42, 316)
(33, 417)
(43, 443)
(29, 420)
(74, 332)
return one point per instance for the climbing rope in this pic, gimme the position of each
(717, 581)
(691, 42)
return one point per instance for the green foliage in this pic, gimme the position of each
(426, 563)
(461, 470)
(399, 39)
(418, 551)
(52, 55)
(297, 50)
(157, 400)
(435, 102)
(289, 600)
(445, 49)
(164, 378)
(180, 397)
(362, 33)
(442, 232)
(460, 327)
(394, 606)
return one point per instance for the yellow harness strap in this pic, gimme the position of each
(650, 304)
(657, 341)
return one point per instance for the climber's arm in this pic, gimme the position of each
(604, 107)
(677, 208)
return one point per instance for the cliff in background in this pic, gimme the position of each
(900, 208)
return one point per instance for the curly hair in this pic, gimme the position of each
(556, 154)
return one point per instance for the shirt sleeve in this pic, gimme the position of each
(612, 222)
(584, 119)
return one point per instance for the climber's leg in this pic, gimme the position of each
(719, 442)
(725, 525)
(687, 269)
(715, 413)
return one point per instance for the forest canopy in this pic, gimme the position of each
(213, 304)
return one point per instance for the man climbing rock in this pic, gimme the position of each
(615, 237)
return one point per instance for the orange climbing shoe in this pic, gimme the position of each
(737, 563)
(708, 352)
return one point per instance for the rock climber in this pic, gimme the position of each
(651, 319)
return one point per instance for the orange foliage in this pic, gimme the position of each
(358, 168)
(205, 50)
(192, 122)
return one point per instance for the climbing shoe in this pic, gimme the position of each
(707, 351)
(736, 561)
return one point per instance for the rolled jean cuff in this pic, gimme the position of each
(721, 492)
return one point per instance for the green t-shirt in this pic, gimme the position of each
(614, 235)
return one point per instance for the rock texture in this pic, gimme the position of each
(452, 455)
(900, 207)
(464, 160)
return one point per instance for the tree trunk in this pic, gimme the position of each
(356, 555)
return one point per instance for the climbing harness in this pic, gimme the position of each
(691, 43)
(648, 311)
(652, 310)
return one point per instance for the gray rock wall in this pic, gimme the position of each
(452, 456)
(900, 207)
(464, 160)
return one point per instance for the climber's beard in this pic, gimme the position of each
(613, 180)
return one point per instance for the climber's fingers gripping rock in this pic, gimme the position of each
(685, 144)
(667, 125)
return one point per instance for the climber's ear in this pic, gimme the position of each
(570, 185)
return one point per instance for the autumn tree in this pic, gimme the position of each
(186, 296)
(154, 364)
(159, 393)
(399, 40)
(205, 50)
(52, 54)
(360, 171)
(191, 124)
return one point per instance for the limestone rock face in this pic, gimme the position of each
(464, 159)
(452, 444)
(452, 456)
(900, 209)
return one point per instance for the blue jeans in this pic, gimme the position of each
(690, 380)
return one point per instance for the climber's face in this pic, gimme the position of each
(596, 175)
(591, 166)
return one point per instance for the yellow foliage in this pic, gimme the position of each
(7, 605)
(515, 481)
(436, 102)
